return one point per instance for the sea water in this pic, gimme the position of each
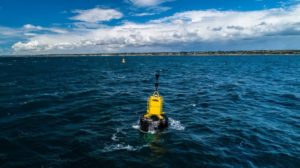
(80, 112)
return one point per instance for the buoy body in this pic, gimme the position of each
(155, 119)
(155, 106)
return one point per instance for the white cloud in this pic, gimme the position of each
(9, 36)
(151, 11)
(144, 14)
(32, 28)
(191, 27)
(9, 32)
(147, 3)
(149, 7)
(97, 15)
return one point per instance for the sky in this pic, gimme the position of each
(92, 26)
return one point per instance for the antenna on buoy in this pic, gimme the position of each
(156, 80)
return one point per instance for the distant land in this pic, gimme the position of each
(183, 53)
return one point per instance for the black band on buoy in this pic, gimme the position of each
(147, 123)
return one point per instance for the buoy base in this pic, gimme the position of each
(153, 123)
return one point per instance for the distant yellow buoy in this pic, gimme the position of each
(123, 61)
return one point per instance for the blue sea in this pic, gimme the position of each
(77, 112)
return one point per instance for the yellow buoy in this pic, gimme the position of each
(154, 119)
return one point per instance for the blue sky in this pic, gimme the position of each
(89, 26)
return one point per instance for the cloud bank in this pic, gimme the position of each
(180, 29)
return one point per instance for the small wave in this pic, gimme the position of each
(115, 135)
(176, 125)
(7, 84)
(121, 77)
(193, 105)
(5, 64)
(289, 96)
(136, 126)
(79, 93)
(88, 131)
(117, 147)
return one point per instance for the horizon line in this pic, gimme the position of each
(169, 53)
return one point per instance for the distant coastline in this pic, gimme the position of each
(183, 53)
